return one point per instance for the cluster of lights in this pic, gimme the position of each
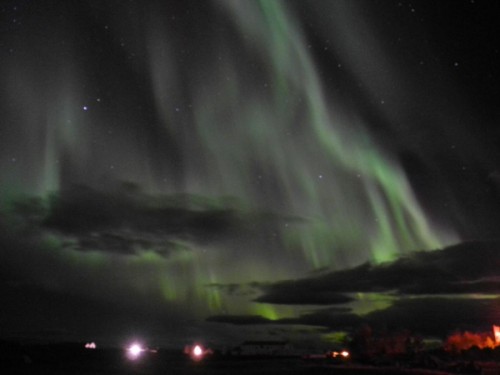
(343, 353)
(90, 345)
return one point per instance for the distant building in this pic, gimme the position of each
(263, 348)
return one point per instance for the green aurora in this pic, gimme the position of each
(242, 126)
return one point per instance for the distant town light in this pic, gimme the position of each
(197, 351)
(90, 345)
(496, 333)
(343, 353)
(134, 350)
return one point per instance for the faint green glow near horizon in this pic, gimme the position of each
(339, 337)
(367, 303)
(273, 312)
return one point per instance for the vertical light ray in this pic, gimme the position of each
(341, 149)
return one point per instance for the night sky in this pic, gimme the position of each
(240, 169)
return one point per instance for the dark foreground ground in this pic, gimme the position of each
(114, 362)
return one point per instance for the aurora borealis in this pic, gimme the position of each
(173, 170)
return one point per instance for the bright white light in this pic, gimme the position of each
(344, 353)
(135, 350)
(198, 351)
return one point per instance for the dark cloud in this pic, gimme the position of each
(235, 289)
(304, 297)
(432, 293)
(127, 243)
(299, 297)
(241, 319)
(125, 220)
(470, 267)
(81, 209)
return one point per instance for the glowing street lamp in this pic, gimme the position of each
(134, 351)
(197, 352)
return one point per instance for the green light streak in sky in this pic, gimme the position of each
(66, 134)
(169, 289)
(378, 200)
(214, 296)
